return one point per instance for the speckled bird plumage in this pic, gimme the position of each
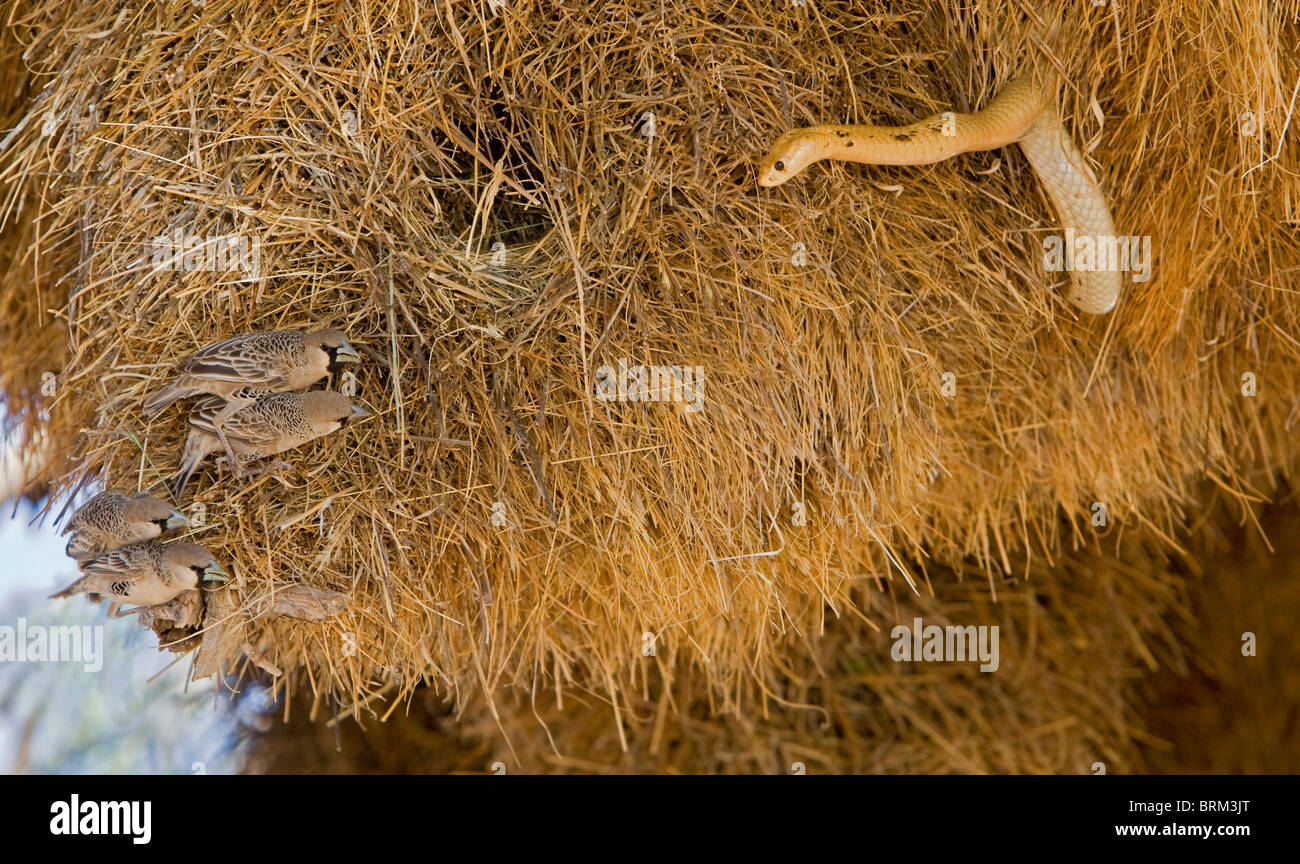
(272, 423)
(146, 573)
(114, 518)
(275, 360)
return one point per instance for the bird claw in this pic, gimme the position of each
(236, 470)
(273, 469)
(232, 407)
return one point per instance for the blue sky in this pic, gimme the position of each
(117, 719)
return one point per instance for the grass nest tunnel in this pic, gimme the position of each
(893, 410)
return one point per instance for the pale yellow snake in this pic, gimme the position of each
(1025, 113)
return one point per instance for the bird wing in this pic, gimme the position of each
(112, 573)
(253, 426)
(250, 358)
(81, 545)
(118, 561)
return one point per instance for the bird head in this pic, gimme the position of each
(327, 411)
(336, 348)
(149, 516)
(191, 564)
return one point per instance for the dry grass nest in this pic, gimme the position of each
(377, 152)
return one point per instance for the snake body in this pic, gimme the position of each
(1024, 112)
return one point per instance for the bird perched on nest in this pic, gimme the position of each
(270, 424)
(146, 573)
(276, 360)
(235, 369)
(112, 519)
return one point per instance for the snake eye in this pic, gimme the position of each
(780, 166)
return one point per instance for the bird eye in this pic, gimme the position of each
(780, 166)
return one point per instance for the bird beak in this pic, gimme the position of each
(177, 520)
(358, 412)
(346, 354)
(214, 572)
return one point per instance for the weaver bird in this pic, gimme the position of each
(272, 423)
(277, 360)
(269, 360)
(146, 573)
(112, 519)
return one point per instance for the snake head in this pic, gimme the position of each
(792, 152)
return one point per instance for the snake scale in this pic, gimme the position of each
(1024, 113)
